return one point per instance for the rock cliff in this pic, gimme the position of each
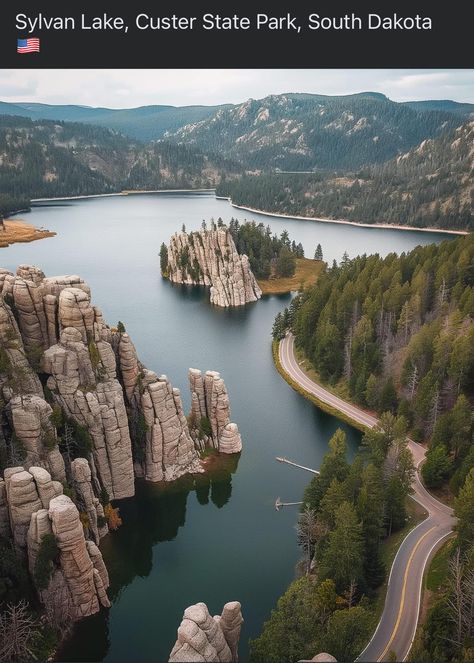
(133, 418)
(80, 414)
(210, 258)
(86, 499)
(210, 413)
(32, 505)
(205, 638)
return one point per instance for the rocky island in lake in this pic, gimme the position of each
(210, 258)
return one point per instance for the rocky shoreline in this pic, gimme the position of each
(81, 419)
(210, 258)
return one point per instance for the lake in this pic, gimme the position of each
(222, 540)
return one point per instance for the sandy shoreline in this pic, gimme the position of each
(385, 226)
(17, 231)
(120, 193)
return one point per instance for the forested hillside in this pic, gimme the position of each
(398, 334)
(143, 123)
(47, 159)
(348, 512)
(306, 132)
(432, 185)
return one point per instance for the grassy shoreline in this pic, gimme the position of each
(17, 231)
(306, 274)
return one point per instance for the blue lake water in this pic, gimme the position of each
(222, 540)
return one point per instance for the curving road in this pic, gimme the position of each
(397, 626)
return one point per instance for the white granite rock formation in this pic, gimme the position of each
(36, 299)
(85, 360)
(26, 493)
(89, 394)
(18, 374)
(205, 638)
(80, 561)
(210, 400)
(82, 478)
(169, 448)
(157, 419)
(210, 258)
(31, 506)
(31, 422)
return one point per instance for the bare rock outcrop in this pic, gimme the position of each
(32, 425)
(16, 374)
(32, 506)
(87, 581)
(36, 299)
(82, 479)
(133, 417)
(94, 399)
(205, 638)
(210, 258)
(27, 492)
(169, 449)
(79, 580)
(231, 624)
(210, 404)
(158, 423)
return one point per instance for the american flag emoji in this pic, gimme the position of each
(31, 45)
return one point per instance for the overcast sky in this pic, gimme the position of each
(124, 88)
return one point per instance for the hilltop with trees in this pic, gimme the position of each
(397, 333)
(431, 185)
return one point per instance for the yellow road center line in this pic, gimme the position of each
(402, 601)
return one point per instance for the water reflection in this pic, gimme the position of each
(154, 515)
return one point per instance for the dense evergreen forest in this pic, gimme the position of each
(429, 186)
(268, 254)
(348, 511)
(48, 159)
(145, 123)
(448, 631)
(307, 132)
(398, 334)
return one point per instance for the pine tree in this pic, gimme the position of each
(164, 259)
(437, 467)
(318, 254)
(343, 557)
(370, 506)
(463, 509)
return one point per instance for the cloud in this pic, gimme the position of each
(15, 86)
(442, 84)
(120, 88)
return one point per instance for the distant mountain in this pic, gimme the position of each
(49, 158)
(309, 123)
(431, 185)
(309, 132)
(463, 109)
(144, 123)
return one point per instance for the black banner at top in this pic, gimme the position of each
(307, 34)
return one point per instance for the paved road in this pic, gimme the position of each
(396, 629)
